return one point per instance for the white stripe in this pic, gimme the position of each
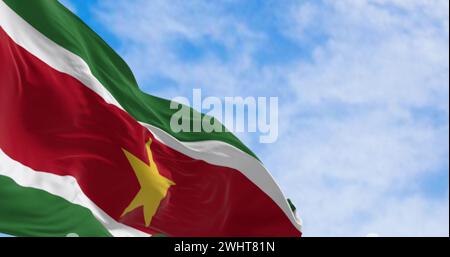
(214, 152)
(65, 187)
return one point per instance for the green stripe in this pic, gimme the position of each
(64, 28)
(32, 212)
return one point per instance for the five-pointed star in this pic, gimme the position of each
(154, 187)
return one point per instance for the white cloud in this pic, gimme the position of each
(362, 120)
(363, 134)
(374, 55)
(341, 172)
(153, 30)
(418, 217)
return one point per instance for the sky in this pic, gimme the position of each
(363, 88)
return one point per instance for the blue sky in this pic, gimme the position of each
(363, 87)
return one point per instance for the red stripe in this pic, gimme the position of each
(50, 122)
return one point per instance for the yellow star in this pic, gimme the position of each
(154, 187)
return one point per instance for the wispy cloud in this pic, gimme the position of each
(372, 116)
(185, 44)
(363, 88)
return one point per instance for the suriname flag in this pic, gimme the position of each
(84, 151)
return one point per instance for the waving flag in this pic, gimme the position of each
(84, 151)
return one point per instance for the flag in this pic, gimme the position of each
(83, 151)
